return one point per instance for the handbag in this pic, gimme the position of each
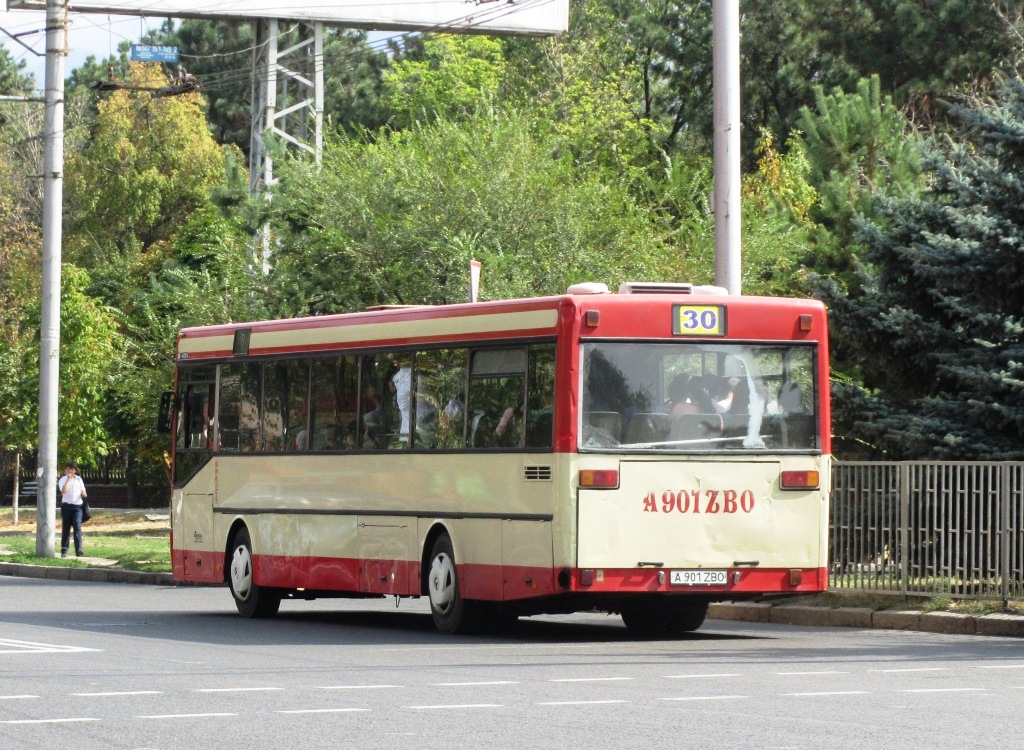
(86, 511)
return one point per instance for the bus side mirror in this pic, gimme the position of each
(163, 421)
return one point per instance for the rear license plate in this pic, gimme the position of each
(699, 577)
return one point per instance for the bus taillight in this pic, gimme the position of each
(799, 480)
(602, 479)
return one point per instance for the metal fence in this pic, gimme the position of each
(917, 528)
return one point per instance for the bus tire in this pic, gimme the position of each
(648, 619)
(250, 599)
(688, 618)
(452, 614)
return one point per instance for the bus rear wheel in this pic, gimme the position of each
(649, 619)
(452, 614)
(250, 599)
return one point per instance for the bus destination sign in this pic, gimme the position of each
(698, 320)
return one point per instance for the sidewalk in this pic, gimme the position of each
(952, 623)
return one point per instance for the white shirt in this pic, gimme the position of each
(74, 495)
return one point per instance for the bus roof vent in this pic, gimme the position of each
(588, 287)
(661, 287)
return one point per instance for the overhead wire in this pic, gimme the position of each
(223, 78)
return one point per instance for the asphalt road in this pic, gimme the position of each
(107, 666)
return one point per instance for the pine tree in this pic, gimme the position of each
(936, 334)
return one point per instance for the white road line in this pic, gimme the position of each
(802, 674)
(945, 690)
(912, 669)
(1001, 666)
(237, 690)
(834, 692)
(578, 703)
(704, 697)
(592, 679)
(458, 705)
(31, 647)
(182, 716)
(358, 687)
(46, 721)
(321, 710)
(690, 676)
(111, 694)
(471, 684)
(16, 697)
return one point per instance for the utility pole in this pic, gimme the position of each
(726, 96)
(49, 329)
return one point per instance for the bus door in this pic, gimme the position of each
(195, 474)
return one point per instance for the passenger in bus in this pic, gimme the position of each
(401, 386)
(680, 402)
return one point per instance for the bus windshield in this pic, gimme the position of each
(703, 397)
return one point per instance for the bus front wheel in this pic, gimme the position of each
(451, 613)
(251, 600)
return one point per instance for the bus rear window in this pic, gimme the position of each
(703, 397)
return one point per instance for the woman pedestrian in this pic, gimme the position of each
(72, 498)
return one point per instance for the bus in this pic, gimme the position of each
(641, 453)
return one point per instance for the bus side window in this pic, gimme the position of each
(440, 401)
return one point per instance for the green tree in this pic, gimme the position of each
(397, 219)
(858, 146)
(149, 164)
(934, 339)
(457, 75)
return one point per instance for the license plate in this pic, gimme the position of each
(699, 577)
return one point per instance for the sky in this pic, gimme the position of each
(90, 34)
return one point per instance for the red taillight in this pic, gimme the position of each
(599, 478)
(800, 480)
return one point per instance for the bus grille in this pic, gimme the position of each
(537, 473)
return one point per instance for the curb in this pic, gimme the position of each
(952, 623)
(94, 575)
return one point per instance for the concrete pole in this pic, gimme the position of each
(49, 331)
(726, 200)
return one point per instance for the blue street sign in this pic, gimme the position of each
(154, 53)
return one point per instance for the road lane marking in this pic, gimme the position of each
(1001, 666)
(689, 676)
(833, 692)
(578, 703)
(321, 710)
(9, 646)
(358, 687)
(458, 705)
(16, 697)
(237, 690)
(703, 697)
(592, 679)
(945, 690)
(182, 716)
(111, 694)
(46, 721)
(912, 669)
(472, 684)
(805, 674)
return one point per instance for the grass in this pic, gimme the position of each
(134, 540)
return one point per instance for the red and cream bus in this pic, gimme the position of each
(642, 453)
